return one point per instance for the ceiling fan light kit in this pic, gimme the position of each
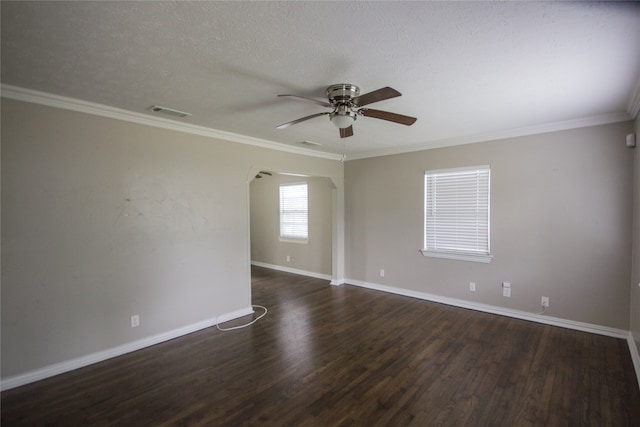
(342, 117)
(347, 104)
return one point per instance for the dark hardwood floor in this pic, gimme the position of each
(342, 356)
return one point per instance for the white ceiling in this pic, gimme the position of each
(467, 70)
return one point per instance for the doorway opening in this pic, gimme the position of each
(309, 257)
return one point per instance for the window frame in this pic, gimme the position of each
(290, 238)
(461, 255)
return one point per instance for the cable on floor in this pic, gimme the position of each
(248, 324)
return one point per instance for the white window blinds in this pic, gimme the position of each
(457, 212)
(294, 211)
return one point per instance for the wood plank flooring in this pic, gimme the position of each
(347, 356)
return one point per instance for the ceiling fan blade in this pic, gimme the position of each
(304, 98)
(302, 119)
(385, 115)
(346, 132)
(375, 96)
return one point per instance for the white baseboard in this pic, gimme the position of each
(635, 357)
(69, 365)
(518, 314)
(79, 362)
(291, 270)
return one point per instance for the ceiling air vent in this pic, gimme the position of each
(310, 143)
(168, 111)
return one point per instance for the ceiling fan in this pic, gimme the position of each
(347, 104)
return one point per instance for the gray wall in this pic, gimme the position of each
(634, 319)
(103, 219)
(560, 221)
(266, 247)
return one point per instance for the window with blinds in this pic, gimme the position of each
(457, 213)
(294, 212)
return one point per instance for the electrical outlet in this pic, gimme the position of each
(506, 289)
(381, 272)
(472, 286)
(135, 321)
(288, 258)
(545, 301)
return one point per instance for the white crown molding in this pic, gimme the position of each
(492, 136)
(486, 308)
(633, 108)
(51, 100)
(80, 362)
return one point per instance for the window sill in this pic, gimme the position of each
(292, 240)
(457, 256)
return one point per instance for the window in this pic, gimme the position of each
(456, 213)
(294, 213)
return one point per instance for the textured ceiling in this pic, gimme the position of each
(465, 69)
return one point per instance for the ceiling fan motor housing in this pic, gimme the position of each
(342, 93)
